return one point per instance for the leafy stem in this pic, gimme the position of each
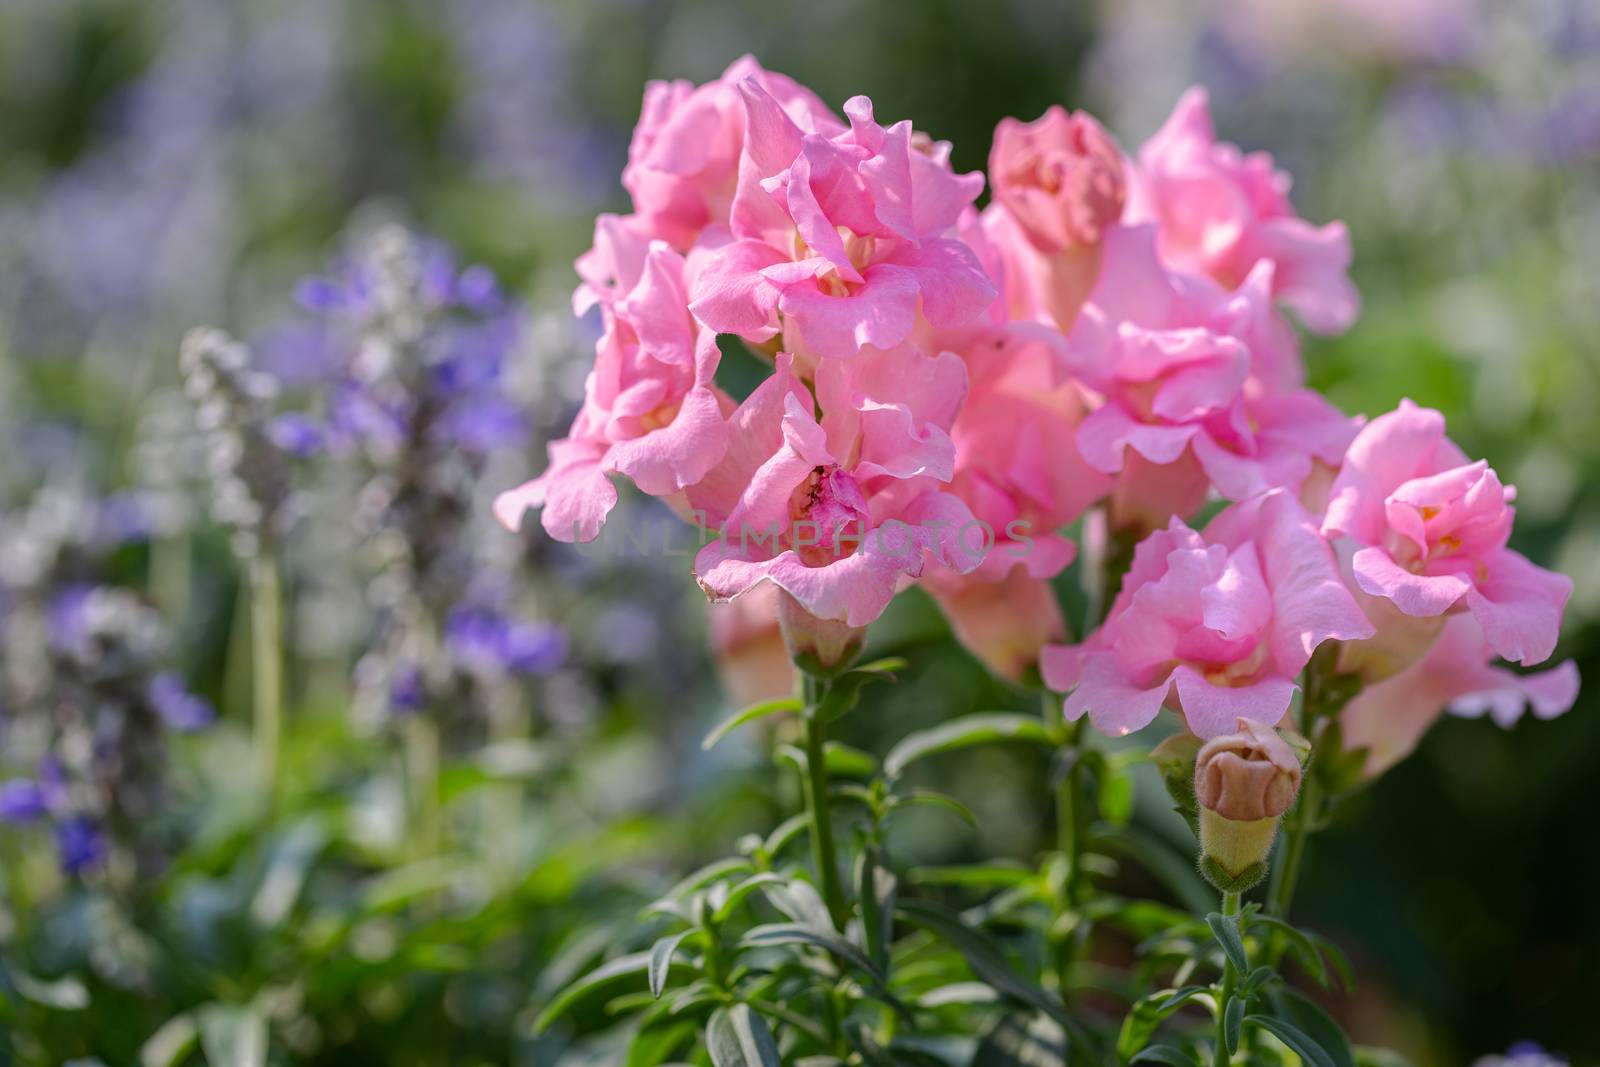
(818, 811)
(1230, 978)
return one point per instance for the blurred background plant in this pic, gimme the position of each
(490, 747)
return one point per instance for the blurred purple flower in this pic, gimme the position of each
(65, 617)
(406, 694)
(477, 290)
(179, 708)
(297, 434)
(486, 423)
(21, 800)
(485, 639)
(125, 517)
(79, 844)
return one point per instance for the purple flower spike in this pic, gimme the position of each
(320, 295)
(179, 708)
(534, 647)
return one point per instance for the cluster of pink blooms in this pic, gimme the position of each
(951, 387)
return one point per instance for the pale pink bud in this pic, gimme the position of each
(1060, 176)
(1247, 776)
(817, 646)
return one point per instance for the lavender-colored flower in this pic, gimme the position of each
(179, 708)
(21, 801)
(1523, 1054)
(406, 692)
(297, 434)
(80, 845)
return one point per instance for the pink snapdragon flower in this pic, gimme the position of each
(1221, 212)
(1429, 531)
(651, 410)
(1215, 626)
(1059, 176)
(1458, 675)
(839, 241)
(1201, 387)
(683, 162)
(1018, 469)
(838, 512)
(1058, 186)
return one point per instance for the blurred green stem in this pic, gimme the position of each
(1230, 978)
(1072, 833)
(1297, 831)
(266, 664)
(420, 735)
(818, 809)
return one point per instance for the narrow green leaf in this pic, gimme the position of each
(602, 979)
(1307, 1015)
(1255, 981)
(788, 830)
(875, 888)
(1300, 946)
(661, 960)
(1225, 928)
(1167, 1054)
(1148, 1013)
(774, 935)
(983, 955)
(800, 901)
(964, 732)
(1232, 1021)
(930, 798)
(738, 892)
(168, 1046)
(977, 876)
(750, 714)
(1298, 1041)
(738, 1037)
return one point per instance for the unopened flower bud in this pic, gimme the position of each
(1244, 782)
(1249, 775)
(817, 646)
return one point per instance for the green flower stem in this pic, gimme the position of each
(1296, 832)
(1072, 833)
(818, 809)
(1230, 978)
(266, 664)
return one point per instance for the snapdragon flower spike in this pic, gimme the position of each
(1457, 674)
(683, 161)
(1220, 212)
(1200, 385)
(1428, 529)
(1213, 625)
(651, 410)
(838, 512)
(838, 241)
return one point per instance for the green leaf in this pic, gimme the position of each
(63, 994)
(843, 761)
(964, 732)
(977, 876)
(1225, 928)
(938, 800)
(661, 960)
(233, 1036)
(750, 714)
(1017, 1042)
(1255, 981)
(1313, 1054)
(800, 901)
(168, 1046)
(737, 894)
(844, 691)
(788, 830)
(1167, 1054)
(983, 955)
(738, 1037)
(1232, 1020)
(603, 979)
(1147, 1015)
(875, 888)
(958, 993)
(774, 935)
(1300, 946)
(1307, 1015)
(1116, 798)
(656, 1044)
